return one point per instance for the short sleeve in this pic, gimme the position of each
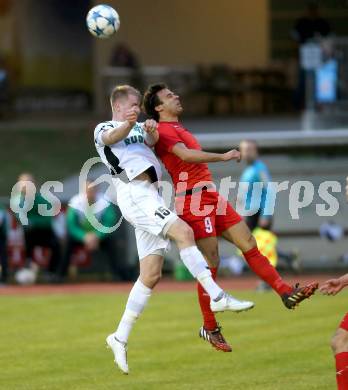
(99, 130)
(168, 138)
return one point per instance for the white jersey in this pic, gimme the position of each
(131, 154)
(139, 200)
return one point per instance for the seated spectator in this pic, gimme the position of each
(81, 233)
(3, 245)
(38, 231)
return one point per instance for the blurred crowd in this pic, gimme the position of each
(64, 238)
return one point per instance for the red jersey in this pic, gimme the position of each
(171, 133)
(344, 323)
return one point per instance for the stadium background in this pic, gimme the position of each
(236, 66)
(60, 78)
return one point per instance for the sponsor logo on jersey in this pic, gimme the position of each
(134, 139)
(138, 129)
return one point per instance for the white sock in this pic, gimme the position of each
(198, 267)
(136, 303)
(208, 283)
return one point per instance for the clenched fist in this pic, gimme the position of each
(150, 126)
(131, 117)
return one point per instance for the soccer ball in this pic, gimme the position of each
(102, 21)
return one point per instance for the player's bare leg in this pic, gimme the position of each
(182, 234)
(210, 331)
(339, 345)
(241, 236)
(339, 342)
(150, 274)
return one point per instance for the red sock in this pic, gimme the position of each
(263, 268)
(204, 301)
(342, 370)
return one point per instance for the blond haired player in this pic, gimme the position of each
(124, 146)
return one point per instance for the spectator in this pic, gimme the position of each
(260, 223)
(3, 245)
(39, 230)
(311, 25)
(81, 233)
(255, 172)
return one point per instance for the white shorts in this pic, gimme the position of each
(143, 207)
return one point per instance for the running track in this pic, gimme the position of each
(166, 285)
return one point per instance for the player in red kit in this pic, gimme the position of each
(202, 207)
(339, 342)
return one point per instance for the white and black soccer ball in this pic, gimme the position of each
(102, 21)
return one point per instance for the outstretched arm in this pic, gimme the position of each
(199, 156)
(334, 286)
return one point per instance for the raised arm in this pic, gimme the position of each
(199, 156)
(111, 136)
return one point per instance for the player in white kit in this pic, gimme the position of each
(124, 145)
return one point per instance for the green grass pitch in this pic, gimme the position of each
(58, 342)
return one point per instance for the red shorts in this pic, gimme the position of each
(344, 323)
(208, 213)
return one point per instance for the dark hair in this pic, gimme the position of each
(151, 100)
(121, 92)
